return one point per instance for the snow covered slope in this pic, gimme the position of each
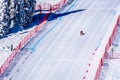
(11, 43)
(59, 52)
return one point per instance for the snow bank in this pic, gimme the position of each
(113, 72)
(110, 70)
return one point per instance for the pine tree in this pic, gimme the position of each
(15, 13)
(4, 18)
(26, 11)
(21, 12)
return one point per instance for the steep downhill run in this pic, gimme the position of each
(59, 52)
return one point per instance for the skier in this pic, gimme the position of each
(82, 33)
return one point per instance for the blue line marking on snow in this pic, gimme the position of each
(71, 7)
(60, 18)
(34, 46)
(100, 40)
(99, 43)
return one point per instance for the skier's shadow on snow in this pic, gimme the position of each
(52, 16)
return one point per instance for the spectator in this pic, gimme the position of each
(11, 47)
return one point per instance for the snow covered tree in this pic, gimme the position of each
(4, 17)
(21, 12)
(26, 11)
(15, 13)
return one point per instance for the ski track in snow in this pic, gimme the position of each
(110, 69)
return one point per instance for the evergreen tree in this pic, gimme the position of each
(4, 18)
(26, 11)
(21, 12)
(15, 13)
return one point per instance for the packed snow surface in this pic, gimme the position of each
(58, 51)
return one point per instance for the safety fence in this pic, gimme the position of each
(47, 7)
(94, 66)
(107, 47)
(27, 38)
(22, 43)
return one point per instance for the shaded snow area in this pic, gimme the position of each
(52, 2)
(111, 66)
